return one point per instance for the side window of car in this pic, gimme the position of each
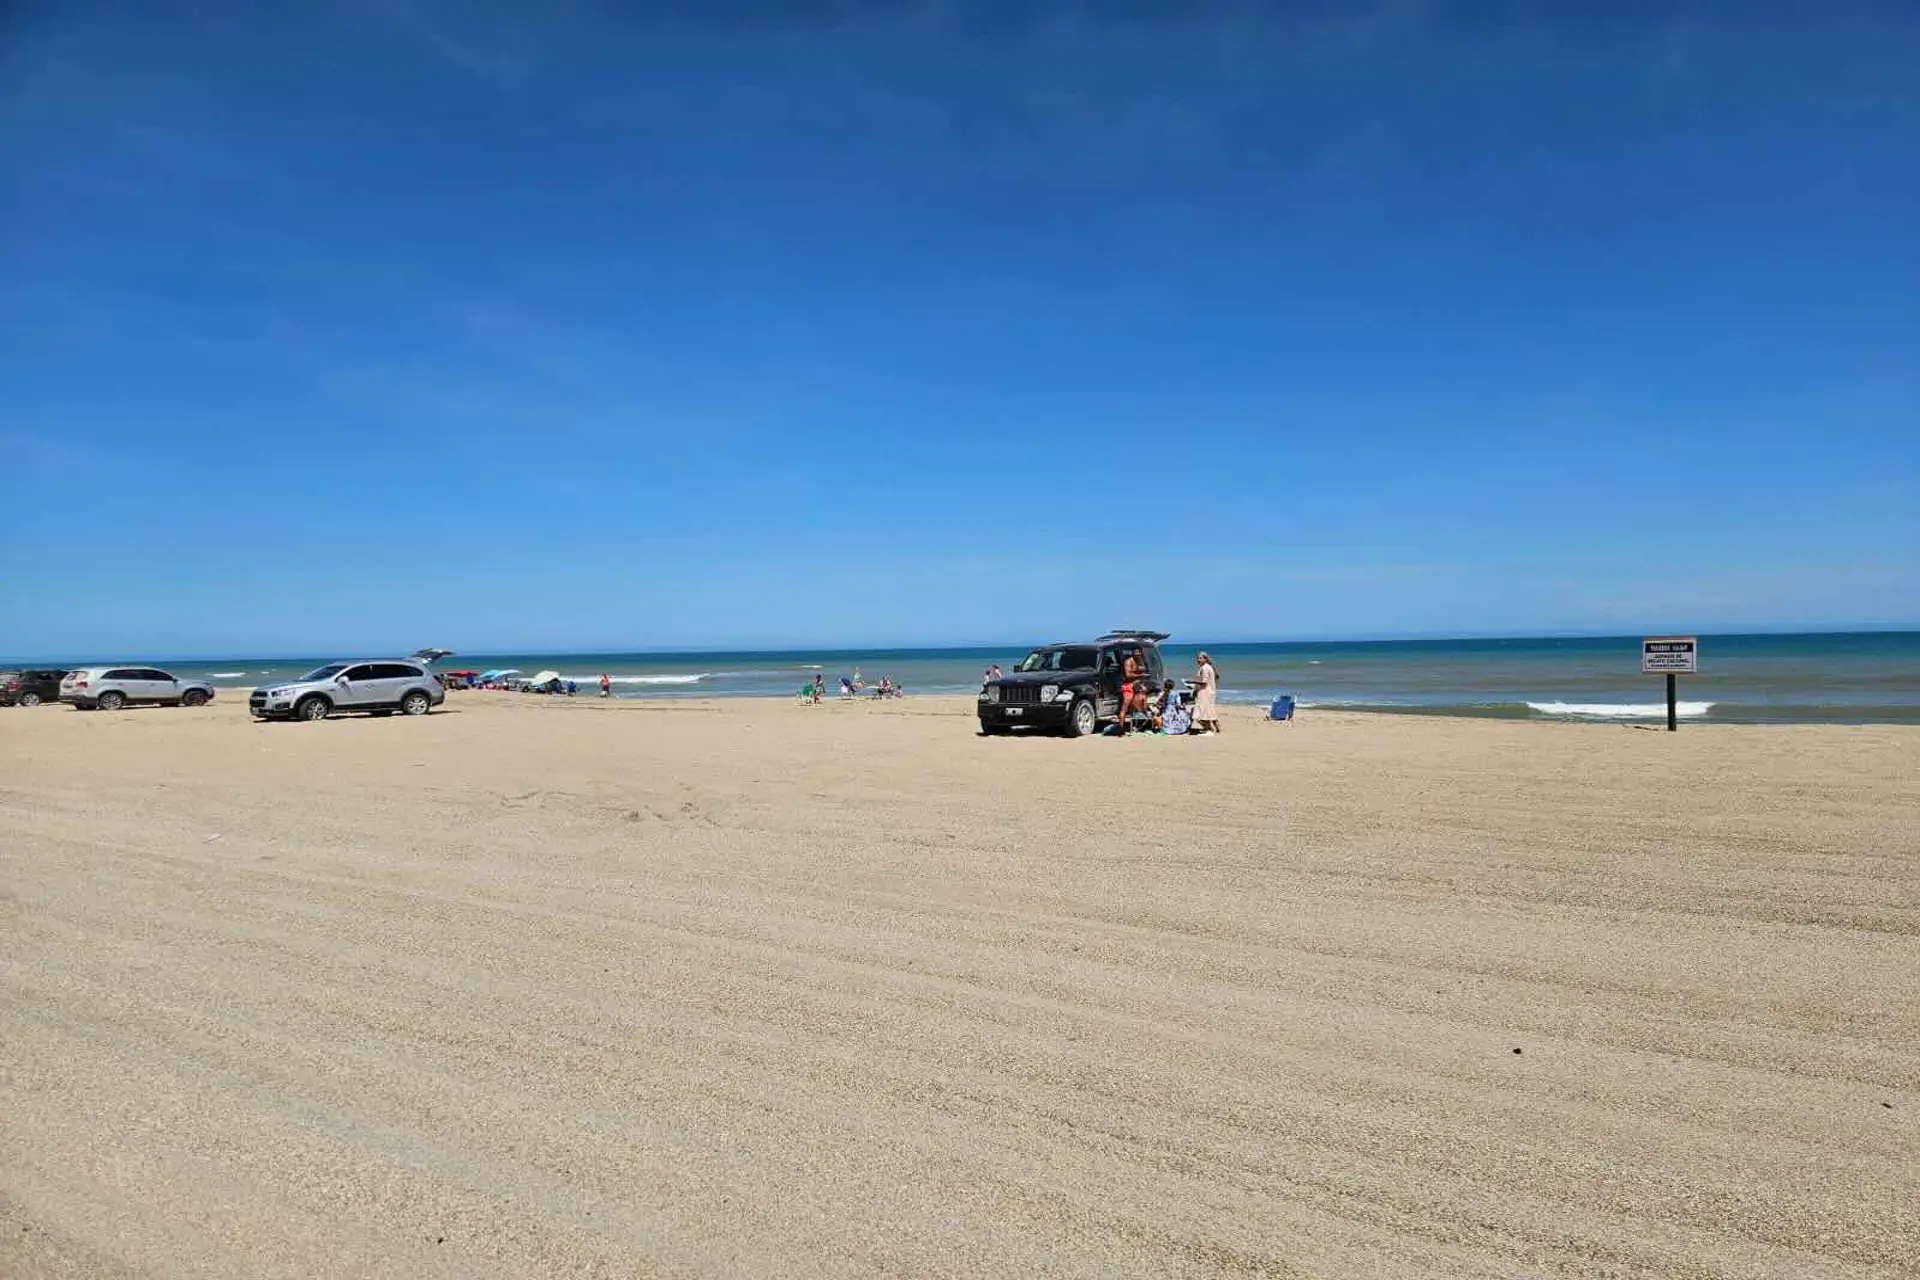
(153, 673)
(122, 673)
(362, 672)
(394, 671)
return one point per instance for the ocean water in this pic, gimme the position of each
(1853, 677)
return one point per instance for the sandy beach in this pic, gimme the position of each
(551, 987)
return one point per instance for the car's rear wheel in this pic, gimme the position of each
(194, 698)
(111, 700)
(1083, 719)
(416, 704)
(29, 699)
(313, 707)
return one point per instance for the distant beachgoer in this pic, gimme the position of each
(606, 685)
(995, 670)
(819, 688)
(1206, 695)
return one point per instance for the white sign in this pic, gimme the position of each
(1661, 654)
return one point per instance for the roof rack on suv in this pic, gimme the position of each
(1135, 633)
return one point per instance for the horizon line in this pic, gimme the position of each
(697, 651)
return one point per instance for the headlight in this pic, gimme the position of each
(1048, 692)
(992, 693)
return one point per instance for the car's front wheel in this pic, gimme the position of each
(992, 730)
(313, 707)
(194, 698)
(1083, 719)
(416, 704)
(111, 700)
(29, 699)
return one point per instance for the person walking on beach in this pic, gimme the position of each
(606, 685)
(1206, 694)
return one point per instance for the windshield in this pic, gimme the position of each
(325, 673)
(1069, 659)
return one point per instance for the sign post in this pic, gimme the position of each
(1669, 656)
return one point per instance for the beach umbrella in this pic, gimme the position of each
(544, 676)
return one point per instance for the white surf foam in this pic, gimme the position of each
(595, 679)
(225, 675)
(1619, 710)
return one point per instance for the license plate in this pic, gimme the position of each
(1016, 711)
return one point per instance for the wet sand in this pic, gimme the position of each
(549, 987)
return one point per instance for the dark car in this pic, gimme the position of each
(1070, 688)
(29, 688)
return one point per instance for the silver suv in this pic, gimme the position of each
(111, 688)
(378, 687)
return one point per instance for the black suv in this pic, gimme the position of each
(1073, 688)
(29, 688)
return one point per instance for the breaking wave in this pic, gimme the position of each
(1619, 710)
(695, 678)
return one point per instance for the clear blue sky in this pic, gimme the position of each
(394, 322)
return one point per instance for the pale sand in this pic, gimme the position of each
(544, 987)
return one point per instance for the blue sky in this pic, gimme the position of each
(588, 326)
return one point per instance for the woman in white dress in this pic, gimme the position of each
(1206, 693)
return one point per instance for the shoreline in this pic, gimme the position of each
(1241, 712)
(1839, 678)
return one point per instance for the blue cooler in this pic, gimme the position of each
(1282, 708)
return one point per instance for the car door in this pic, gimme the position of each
(357, 686)
(394, 680)
(158, 686)
(129, 682)
(1107, 701)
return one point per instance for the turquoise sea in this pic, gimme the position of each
(1848, 677)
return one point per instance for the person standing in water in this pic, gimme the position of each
(606, 685)
(1206, 696)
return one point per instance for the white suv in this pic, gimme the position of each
(111, 688)
(381, 688)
